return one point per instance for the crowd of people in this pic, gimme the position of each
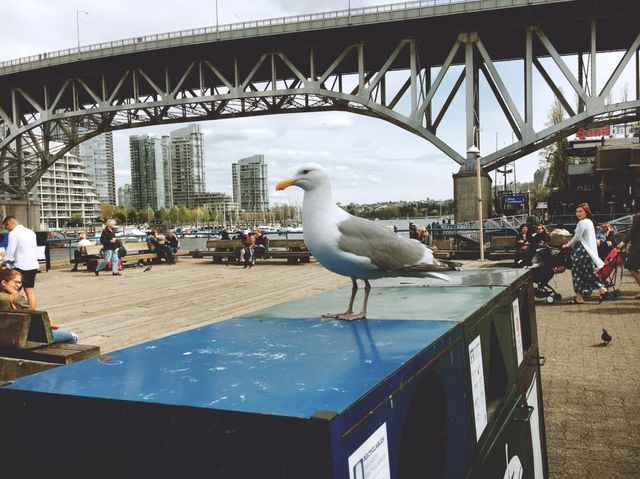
(421, 234)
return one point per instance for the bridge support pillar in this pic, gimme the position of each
(465, 195)
(26, 211)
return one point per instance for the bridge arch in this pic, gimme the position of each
(48, 108)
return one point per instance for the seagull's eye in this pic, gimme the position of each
(305, 172)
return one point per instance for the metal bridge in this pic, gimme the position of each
(388, 62)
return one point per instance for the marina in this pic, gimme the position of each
(591, 399)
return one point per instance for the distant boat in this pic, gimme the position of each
(131, 234)
(291, 229)
(269, 229)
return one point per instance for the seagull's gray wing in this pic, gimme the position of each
(385, 249)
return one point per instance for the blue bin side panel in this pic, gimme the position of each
(390, 406)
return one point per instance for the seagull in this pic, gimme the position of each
(356, 247)
(606, 337)
(148, 268)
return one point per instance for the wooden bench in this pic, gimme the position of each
(136, 253)
(89, 256)
(26, 345)
(502, 247)
(444, 248)
(135, 257)
(293, 250)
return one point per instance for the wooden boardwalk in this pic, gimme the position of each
(118, 311)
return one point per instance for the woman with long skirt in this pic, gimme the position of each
(585, 259)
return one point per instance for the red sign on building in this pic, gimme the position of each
(583, 133)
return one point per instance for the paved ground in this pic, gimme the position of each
(591, 393)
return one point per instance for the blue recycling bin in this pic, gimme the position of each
(283, 393)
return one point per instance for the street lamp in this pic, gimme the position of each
(78, 12)
(473, 150)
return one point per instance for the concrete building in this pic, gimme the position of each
(249, 176)
(65, 190)
(150, 167)
(97, 156)
(187, 166)
(225, 208)
(124, 195)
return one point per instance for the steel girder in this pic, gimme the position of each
(44, 119)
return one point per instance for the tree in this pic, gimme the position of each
(164, 215)
(120, 214)
(555, 154)
(132, 215)
(106, 211)
(75, 220)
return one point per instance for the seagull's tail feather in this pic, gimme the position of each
(441, 276)
(434, 270)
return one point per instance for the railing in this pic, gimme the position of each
(471, 229)
(274, 25)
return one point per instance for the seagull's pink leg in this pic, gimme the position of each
(362, 314)
(349, 311)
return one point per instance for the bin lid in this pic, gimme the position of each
(288, 367)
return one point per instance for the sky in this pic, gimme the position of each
(369, 160)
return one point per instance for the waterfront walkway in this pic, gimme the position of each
(591, 393)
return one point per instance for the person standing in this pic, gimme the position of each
(22, 251)
(109, 248)
(585, 259)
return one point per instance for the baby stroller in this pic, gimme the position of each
(608, 274)
(547, 262)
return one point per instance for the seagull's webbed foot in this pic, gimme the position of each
(352, 316)
(349, 315)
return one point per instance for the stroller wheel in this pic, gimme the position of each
(550, 299)
(557, 296)
(617, 293)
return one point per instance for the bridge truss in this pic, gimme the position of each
(45, 112)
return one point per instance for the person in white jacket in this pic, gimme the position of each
(585, 259)
(22, 255)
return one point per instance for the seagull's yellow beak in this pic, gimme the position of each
(285, 184)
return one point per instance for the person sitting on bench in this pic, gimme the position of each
(158, 244)
(12, 300)
(261, 246)
(81, 249)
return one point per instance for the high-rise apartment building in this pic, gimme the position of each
(66, 190)
(97, 156)
(124, 195)
(150, 167)
(249, 177)
(187, 165)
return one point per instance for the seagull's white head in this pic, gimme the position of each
(308, 177)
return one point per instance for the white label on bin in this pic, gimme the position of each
(477, 386)
(371, 459)
(534, 422)
(517, 330)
